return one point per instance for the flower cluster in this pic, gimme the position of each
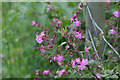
(81, 65)
(61, 72)
(80, 5)
(59, 58)
(42, 48)
(79, 35)
(112, 31)
(39, 37)
(73, 63)
(33, 23)
(48, 9)
(76, 21)
(37, 72)
(71, 35)
(46, 72)
(117, 13)
(98, 75)
(86, 49)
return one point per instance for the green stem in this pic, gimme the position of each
(92, 72)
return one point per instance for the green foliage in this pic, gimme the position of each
(21, 58)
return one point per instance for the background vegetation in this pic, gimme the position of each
(21, 58)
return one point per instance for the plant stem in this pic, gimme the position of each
(91, 71)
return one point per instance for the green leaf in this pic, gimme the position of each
(114, 76)
(105, 75)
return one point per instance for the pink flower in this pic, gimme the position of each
(48, 47)
(79, 35)
(81, 67)
(78, 60)
(108, 2)
(118, 35)
(46, 72)
(71, 30)
(59, 62)
(60, 58)
(112, 31)
(55, 58)
(61, 72)
(59, 21)
(48, 9)
(42, 50)
(86, 49)
(36, 25)
(98, 75)
(39, 37)
(39, 40)
(42, 47)
(42, 34)
(32, 23)
(80, 5)
(75, 15)
(1, 55)
(37, 70)
(77, 23)
(84, 62)
(54, 20)
(117, 13)
(37, 74)
(71, 19)
(109, 52)
(73, 63)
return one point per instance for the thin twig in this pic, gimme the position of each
(93, 43)
(103, 52)
(91, 71)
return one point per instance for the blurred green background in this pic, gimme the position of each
(21, 58)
